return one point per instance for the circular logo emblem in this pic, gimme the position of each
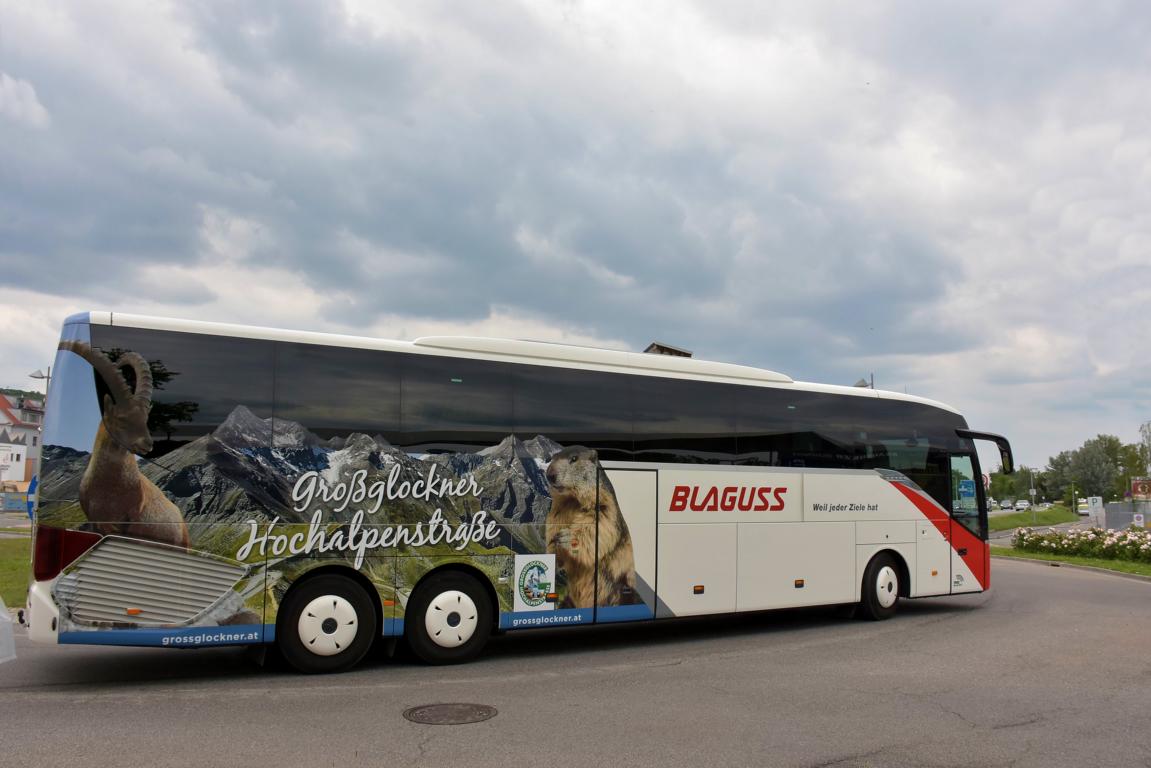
(534, 583)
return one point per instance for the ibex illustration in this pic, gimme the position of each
(115, 496)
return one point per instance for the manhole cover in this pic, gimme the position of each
(450, 714)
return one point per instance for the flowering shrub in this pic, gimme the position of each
(1131, 544)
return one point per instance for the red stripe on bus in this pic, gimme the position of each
(957, 536)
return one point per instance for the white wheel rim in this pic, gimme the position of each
(887, 586)
(328, 625)
(451, 619)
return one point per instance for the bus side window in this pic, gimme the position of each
(930, 472)
(964, 505)
(684, 421)
(765, 430)
(334, 391)
(199, 380)
(450, 404)
(573, 407)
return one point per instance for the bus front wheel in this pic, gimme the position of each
(448, 619)
(326, 624)
(880, 594)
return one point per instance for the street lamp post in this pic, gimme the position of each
(39, 374)
(1034, 518)
(47, 377)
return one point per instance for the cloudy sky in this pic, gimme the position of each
(954, 196)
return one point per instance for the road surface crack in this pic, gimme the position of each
(847, 759)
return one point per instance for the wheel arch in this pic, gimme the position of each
(467, 570)
(336, 569)
(900, 566)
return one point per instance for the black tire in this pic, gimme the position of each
(879, 595)
(326, 624)
(448, 619)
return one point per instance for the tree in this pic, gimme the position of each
(1058, 475)
(1002, 486)
(1018, 484)
(1093, 468)
(163, 414)
(1131, 464)
(1112, 447)
(1145, 448)
(22, 393)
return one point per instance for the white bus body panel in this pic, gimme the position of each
(853, 495)
(822, 539)
(885, 532)
(932, 573)
(703, 555)
(730, 485)
(783, 565)
(43, 616)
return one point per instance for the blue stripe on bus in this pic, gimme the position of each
(559, 618)
(611, 613)
(185, 637)
(246, 634)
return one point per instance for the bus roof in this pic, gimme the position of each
(509, 350)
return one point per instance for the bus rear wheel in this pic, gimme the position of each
(448, 619)
(880, 594)
(326, 624)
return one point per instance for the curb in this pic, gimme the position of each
(1074, 567)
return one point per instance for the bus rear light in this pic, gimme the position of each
(697, 589)
(133, 611)
(57, 548)
(799, 583)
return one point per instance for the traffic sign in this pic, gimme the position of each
(1141, 488)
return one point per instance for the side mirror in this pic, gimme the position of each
(1006, 458)
(1001, 443)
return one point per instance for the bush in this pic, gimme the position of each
(1132, 544)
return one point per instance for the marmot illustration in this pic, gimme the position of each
(571, 532)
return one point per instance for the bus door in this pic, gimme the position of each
(968, 527)
(626, 572)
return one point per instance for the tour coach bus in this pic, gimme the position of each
(209, 484)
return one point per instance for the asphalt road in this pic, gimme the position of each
(1049, 669)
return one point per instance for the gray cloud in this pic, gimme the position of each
(820, 192)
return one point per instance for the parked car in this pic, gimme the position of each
(1022, 505)
(1005, 504)
(1083, 510)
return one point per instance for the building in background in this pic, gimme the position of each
(13, 457)
(20, 422)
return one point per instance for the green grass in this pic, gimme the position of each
(1122, 566)
(1050, 516)
(14, 569)
(25, 531)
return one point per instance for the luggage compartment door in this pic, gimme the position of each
(697, 568)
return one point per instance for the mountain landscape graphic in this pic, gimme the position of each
(247, 467)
